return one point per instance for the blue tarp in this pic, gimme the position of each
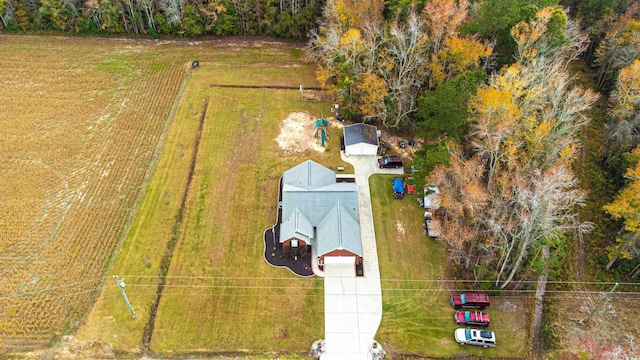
(398, 186)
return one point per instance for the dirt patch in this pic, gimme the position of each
(71, 349)
(616, 319)
(392, 142)
(296, 133)
(400, 229)
(314, 94)
(505, 305)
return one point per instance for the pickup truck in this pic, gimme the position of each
(470, 301)
(388, 162)
(476, 318)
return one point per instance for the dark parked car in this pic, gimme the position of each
(387, 162)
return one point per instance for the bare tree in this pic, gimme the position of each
(7, 12)
(542, 204)
(403, 65)
(173, 9)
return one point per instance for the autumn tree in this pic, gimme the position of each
(623, 128)
(346, 61)
(619, 47)
(346, 47)
(423, 50)
(58, 15)
(626, 207)
(524, 127)
(465, 198)
(370, 97)
(443, 19)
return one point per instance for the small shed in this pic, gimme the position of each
(361, 139)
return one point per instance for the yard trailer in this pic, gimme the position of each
(432, 225)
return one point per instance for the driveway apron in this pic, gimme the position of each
(353, 304)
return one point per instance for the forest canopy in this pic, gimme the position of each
(288, 19)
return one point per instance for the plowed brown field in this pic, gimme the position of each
(81, 121)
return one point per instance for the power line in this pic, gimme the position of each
(51, 288)
(445, 292)
(59, 306)
(315, 280)
(178, 286)
(227, 286)
(391, 279)
(55, 297)
(226, 277)
(404, 296)
(520, 294)
(516, 282)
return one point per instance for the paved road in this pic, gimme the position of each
(353, 305)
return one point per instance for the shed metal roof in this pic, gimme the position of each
(360, 133)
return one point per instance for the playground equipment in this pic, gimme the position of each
(321, 130)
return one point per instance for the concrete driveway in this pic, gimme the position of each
(353, 305)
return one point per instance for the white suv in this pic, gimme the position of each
(475, 337)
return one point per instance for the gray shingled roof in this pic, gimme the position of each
(339, 231)
(316, 204)
(360, 133)
(296, 225)
(309, 175)
(311, 197)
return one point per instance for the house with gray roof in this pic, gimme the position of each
(320, 212)
(360, 139)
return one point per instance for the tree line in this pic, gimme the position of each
(493, 85)
(287, 19)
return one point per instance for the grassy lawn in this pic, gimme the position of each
(417, 317)
(245, 304)
(220, 294)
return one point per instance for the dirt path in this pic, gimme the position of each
(536, 331)
(166, 260)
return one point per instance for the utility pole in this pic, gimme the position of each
(600, 304)
(124, 295)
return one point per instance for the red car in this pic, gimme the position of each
(470, 301)
(476, 318)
